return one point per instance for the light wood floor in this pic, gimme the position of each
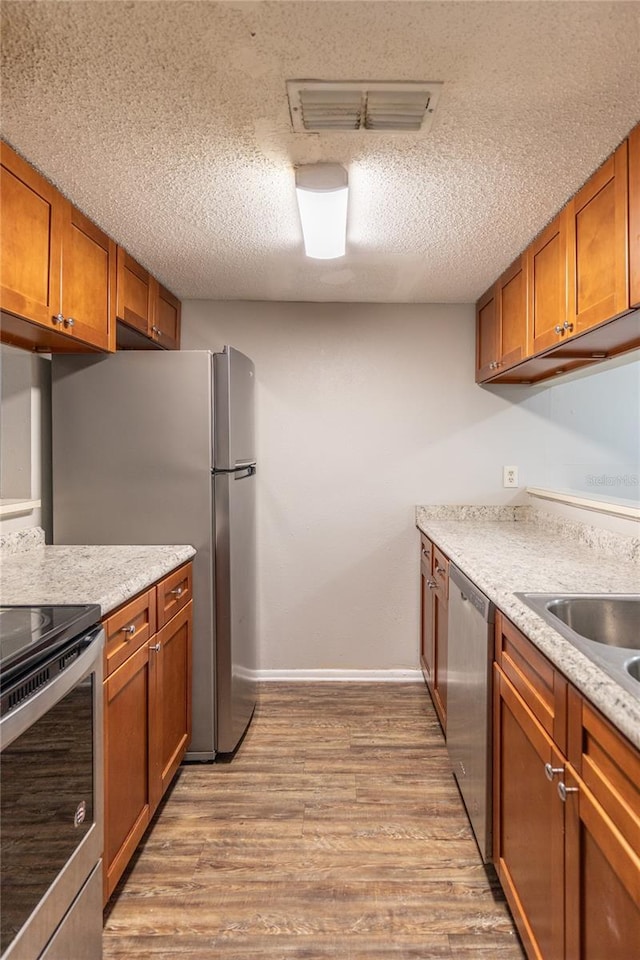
(336, 832)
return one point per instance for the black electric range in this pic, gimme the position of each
(33, 638)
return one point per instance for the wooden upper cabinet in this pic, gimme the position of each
(166, 320)
(134, 304)
(598, 246)
(58, 268)
(88, 281)
(487, 335)
(547, 273)
(512, 314)
(502, 324)
(634, 217)
(31, 238)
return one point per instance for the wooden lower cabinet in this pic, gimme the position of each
(528, 823)
(172, 713)
(434, 598)
(128, 709)
(566, 828)
(147, 718)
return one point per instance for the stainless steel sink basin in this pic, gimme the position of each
(614, 621)
(633, 668)
(605, 627)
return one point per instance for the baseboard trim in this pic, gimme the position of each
(341, 676)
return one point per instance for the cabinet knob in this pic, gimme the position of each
(563, 790)
(551, 771)
(431, 584)
(156, 330)
(425, 553)
(154, 646)
(130, 630)
(440, 569)
(567, 326)
(69, 322)
(558, 328)
(59, 318)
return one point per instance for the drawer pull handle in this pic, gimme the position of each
(154, 646)
(130, 630)
(563, 790)
(550, 771)
(177, 592)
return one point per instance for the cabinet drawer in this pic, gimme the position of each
(607, 764)
(542, 688)
(441, 572)
(426, 553)
(128, 628)
(174, 593)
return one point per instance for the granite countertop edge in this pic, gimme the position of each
(108, 576)
(613, 701)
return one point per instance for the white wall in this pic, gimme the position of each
(364, 410)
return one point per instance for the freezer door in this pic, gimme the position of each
(235, 592)
(234, 436)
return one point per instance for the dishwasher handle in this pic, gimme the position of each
(470, 592)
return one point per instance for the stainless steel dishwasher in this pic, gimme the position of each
(469, 729)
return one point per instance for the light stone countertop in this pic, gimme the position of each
(522, 550)
(32, 573)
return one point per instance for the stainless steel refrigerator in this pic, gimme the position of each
(159, 447)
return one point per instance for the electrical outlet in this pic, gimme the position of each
(509, 476)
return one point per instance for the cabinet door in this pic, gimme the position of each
(547, 274)
(427, 645)
(512, 314)
(440, 631)
(172, 700)
(598, 246)
(487, 335)
(634, 217)
(126, 737)
(166, 322)
(602, 881)
(528, 823)
(88, 281)
(134, 296)
(31, 239)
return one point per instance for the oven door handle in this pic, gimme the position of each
(13, 724)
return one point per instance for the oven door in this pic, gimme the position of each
(51, 802)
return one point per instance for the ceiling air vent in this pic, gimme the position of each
(377, 106)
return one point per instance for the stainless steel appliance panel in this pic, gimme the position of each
(132, 462)
(235, 604)
(79, 936)
(469, 663)
(234, 409)
(44, 799)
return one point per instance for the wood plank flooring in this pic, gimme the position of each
(337, 831)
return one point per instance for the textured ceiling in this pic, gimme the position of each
(168, 123)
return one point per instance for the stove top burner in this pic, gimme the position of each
(27, 634)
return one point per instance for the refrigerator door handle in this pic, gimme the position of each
(246, 470)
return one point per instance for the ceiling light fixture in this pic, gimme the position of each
(322, 190)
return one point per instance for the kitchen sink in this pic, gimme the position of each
(633, 668)
(614, 621)
(605, 627)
